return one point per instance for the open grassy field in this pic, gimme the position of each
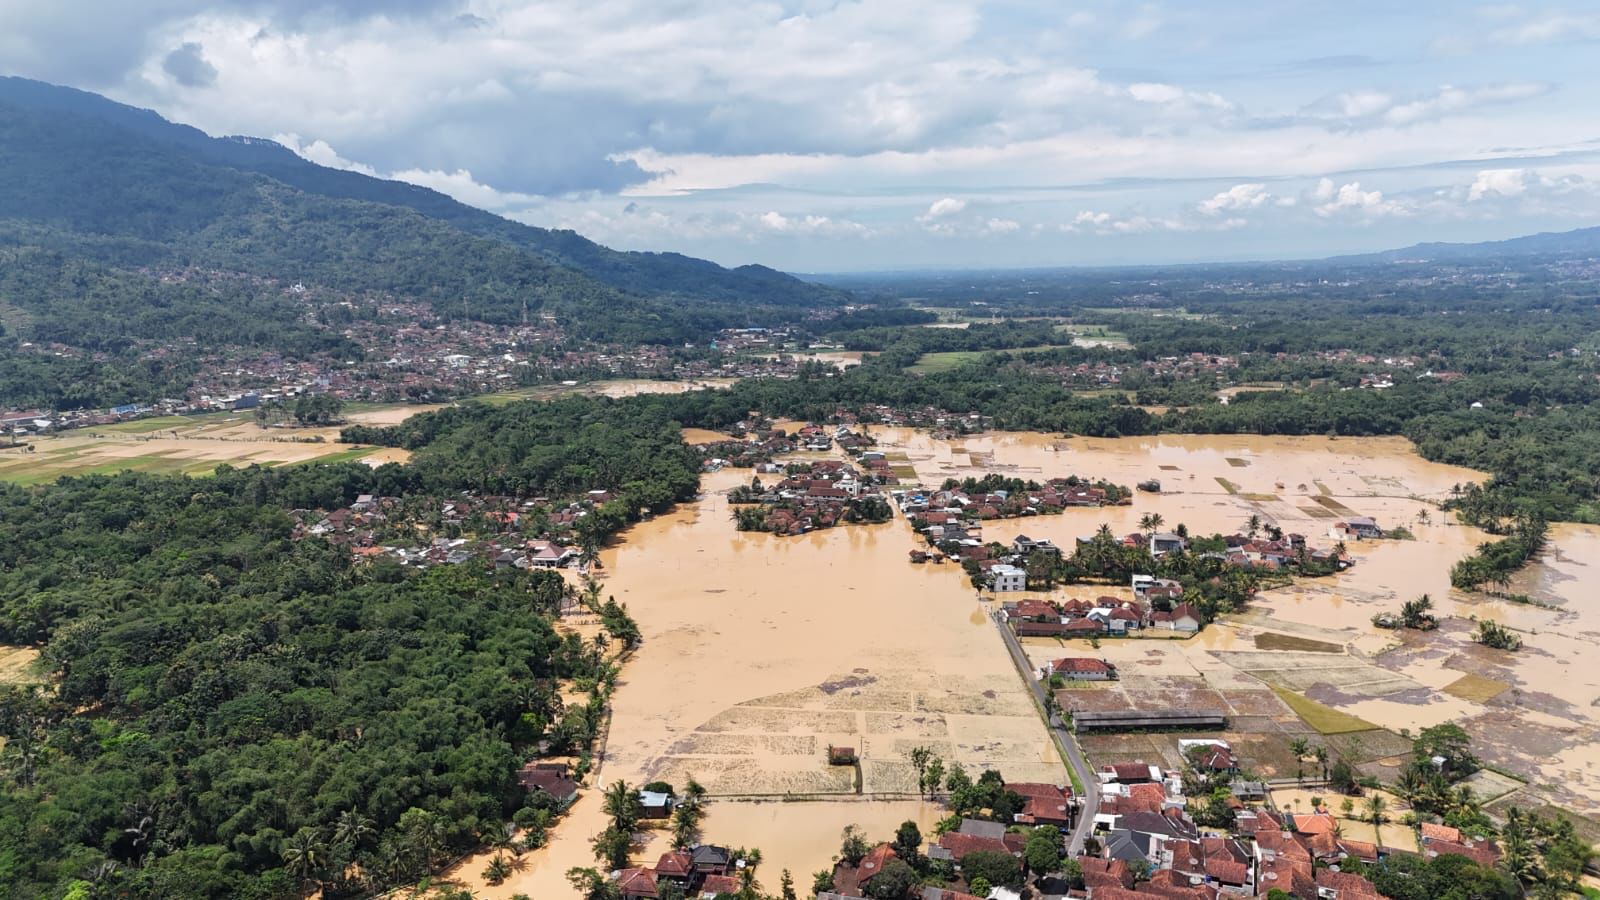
(1325, 719)
(1476, 688)
(1094, 335)
(929, 363)
(195, 451)
(1271, 640)
(17, 665)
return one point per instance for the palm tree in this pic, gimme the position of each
(1375, 810)
(1321, 754)
(622, 805)
(352, 830)
(304, 855)
(1252, 525)
(1298, 747)
(497, 871)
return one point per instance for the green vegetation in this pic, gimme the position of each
(248, 691)
(1325, 719)
(1497, 636)
(1494, 562)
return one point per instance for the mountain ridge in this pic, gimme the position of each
(666, 275)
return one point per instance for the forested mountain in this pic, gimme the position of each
(103, 182)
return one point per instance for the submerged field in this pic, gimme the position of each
(761, 651)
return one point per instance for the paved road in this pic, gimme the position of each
(1069, 745)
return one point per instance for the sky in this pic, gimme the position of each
(823, 136)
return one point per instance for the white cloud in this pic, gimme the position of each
(1098, 222)
(811, 225)
(1001, 226)
(943, 208)
(1240, 196)
(1498, 183)
(1370, 108)
(1350, 198)
(1551, 26)
(321, 153)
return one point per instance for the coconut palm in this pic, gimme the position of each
(1298, 747)
(353, 830)
(1321, 754)
(622, 805)
(497, 871)
(1375, 808)
(1252, 525)
(305, 855)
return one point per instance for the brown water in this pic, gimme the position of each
(760, 651)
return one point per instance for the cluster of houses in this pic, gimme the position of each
(1103, 617)
(1141, 826)
(952, 504)
(1145, 844)
(704, 871)
(362, 525)
(1109, 374)
(812, 496)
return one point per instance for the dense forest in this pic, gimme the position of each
(223, 695)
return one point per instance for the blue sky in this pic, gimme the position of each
(832, 136)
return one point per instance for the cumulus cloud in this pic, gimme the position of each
(1498, 183)
(746, 124)
(1351, 199)
(188, 66)
(811, 225)
(1101, 222)
(942, 208)
(1240, 196)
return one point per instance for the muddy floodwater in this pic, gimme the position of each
(760, 652)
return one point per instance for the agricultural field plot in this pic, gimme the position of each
(1261, 754)
(1300, 672)
(53, 458)
(777, 744)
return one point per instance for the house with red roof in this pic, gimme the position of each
(1079, 668)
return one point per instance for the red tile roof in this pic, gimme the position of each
(637, 882)
(960, 845)
(1081, 665)
(1433, 832)
(675, 864)
(719, 884)
(874, 862)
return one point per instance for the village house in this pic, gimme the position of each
(551, 778)
(1044, 804)
(1162, 543)
(1180, 618)
(1355, 528)
(1007, 579)
(1022, 545)
(1079, 669)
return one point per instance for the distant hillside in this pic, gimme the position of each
(87, 177)
(1582, 242)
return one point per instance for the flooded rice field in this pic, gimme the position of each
(761, 652)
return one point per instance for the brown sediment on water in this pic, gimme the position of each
(729, 686)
